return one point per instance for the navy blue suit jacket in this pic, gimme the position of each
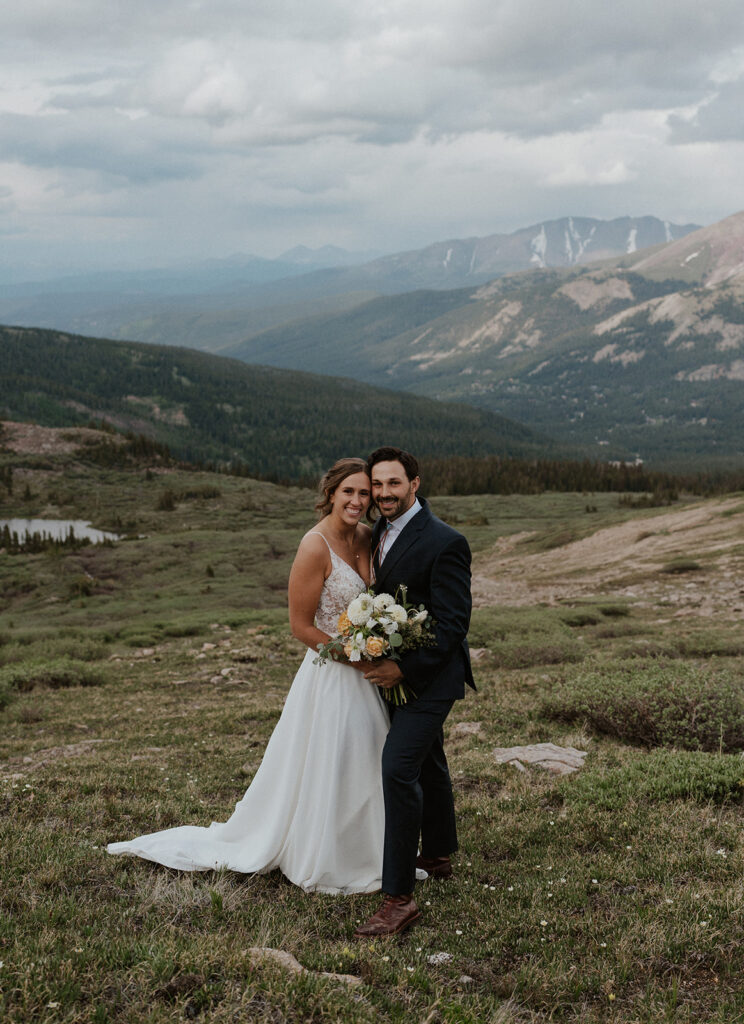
(433, 561)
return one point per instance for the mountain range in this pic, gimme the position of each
(221, 303)
(642, 355)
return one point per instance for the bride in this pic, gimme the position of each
(314, 808)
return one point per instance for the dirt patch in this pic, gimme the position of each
(17, 767)
(31, 439)
(588, 291)
(626, 561)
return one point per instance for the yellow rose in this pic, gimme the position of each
(344, 623)
(376, 646)
(347, 650)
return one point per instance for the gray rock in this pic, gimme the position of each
(467, 729)
(555, 759)
(285, 960)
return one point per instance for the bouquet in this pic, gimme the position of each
(379, 626)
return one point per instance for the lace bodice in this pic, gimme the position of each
(341, 587)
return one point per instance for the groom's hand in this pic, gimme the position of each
(384, 673)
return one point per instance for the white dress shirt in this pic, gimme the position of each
(394, 529)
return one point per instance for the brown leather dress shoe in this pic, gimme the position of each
(395, 915)
(436, 867)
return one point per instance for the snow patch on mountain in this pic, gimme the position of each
(539, 247)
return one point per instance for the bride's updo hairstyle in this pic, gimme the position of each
(332, 478)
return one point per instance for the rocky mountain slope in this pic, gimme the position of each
(643, 355)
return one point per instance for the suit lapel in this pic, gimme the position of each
(408, 537)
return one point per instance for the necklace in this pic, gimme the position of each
(342, 543)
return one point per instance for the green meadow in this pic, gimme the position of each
(140, 681)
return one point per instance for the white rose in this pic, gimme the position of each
(383, 601)
(397, 613)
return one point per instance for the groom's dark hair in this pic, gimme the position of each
(391, 454)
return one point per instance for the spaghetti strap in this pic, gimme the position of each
(317, 533)
(337, 559)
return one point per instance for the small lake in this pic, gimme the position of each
(57, 529)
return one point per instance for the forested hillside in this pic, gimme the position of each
(207, 408)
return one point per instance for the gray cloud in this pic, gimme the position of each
(222, 124)
(135, 151)
(720, 119)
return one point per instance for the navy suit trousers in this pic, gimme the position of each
(418, 792)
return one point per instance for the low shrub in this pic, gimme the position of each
(508, 624)
(48, 648)
(581, 617)
(656, 704)
(680, 565)
(614, 611)
(7, 693)
(166, 502)
(57, 674)
(176, 629)
(660, 776)
(690, 646)
(523, 654)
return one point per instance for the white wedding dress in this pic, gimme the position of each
(314, 808)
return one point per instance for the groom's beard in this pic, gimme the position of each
(397, 507)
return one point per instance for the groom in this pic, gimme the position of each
(412, 547)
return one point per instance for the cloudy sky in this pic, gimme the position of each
(142, 132)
